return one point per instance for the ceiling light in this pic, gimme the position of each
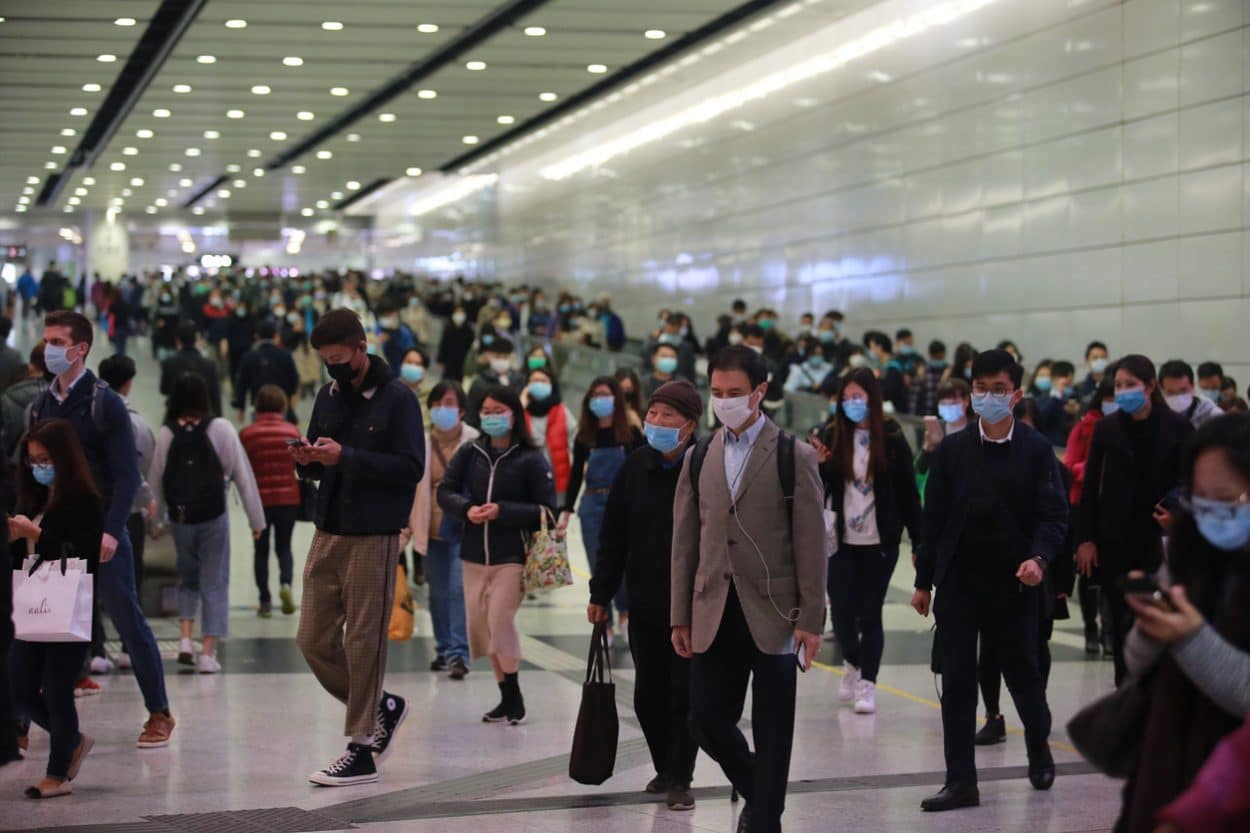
(68, 131)
(20, 208)
(253, 153)
(470, 140)
(91, 88)
(69, 209)
(293, 61)
(161, 201)
(78, 111)
(86, 180)
(126, 192)
(224, 193)
(258, 172)
(144, 133)
(58, 149)
(427, 28)
(427, 94)
(192, 151)
(74, 201)
(278, 136)
(475, 66)
(353, 185)
(137, 181)
(386, 117)
(117, 201)
(261, 89)
(298, 169)
(307, 212)
(412, 172)
(199, 209)
(182, 89)
(233, 168)
(117, 166)
(185, 182)
(206, 59)
(305, 115)
(240, 183)
(332, 26)
(212, 134)
(323, 203)
(106, 58)
(236, 23)
(151, 209)
(175, 166)
(49, 166)
(160, 113)
(124, 21)
(235, 114)
(597, 69)
(23, 200)
(506, 119)
(353, 137)
(339, 91)
(336, 195)
(535, 31)
(78, 192)
(29, 191)
(324, 154)
(547, 96)
(655, 34)
(130, 151)
(34, 180)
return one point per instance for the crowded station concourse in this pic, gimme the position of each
(708, 416)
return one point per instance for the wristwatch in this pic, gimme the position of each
(1041, 562)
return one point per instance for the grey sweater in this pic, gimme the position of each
(234, 464)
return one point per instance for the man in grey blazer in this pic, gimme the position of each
(748, 587)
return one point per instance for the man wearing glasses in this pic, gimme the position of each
(995, 516)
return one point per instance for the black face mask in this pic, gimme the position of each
(341, 373)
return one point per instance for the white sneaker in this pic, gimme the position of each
(186, 652)
(850, 680)
(123, 661)
(101, 665)
(209, 664)
(866, 698)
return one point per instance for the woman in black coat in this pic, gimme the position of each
(871, 485)
(1131, 478)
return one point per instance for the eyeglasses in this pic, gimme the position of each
(997, 390)
(1220, 509)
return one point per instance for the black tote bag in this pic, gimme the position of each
(594, 740)
(1109, 732)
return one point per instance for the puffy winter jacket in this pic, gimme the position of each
(265, 444)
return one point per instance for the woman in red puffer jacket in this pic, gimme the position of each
(265, 442)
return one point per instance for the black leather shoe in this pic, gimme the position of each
(744, 820)
(952, 797)
(994, 731)
(1041, 768)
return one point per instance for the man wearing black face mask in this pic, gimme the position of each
(366, 446)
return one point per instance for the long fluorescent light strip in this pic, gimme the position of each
(451, 193)
(705, 111)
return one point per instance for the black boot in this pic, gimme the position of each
(500, 713)
(513, 702)
(994, 731)
(1041, 766)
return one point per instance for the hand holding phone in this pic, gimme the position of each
(296, 442)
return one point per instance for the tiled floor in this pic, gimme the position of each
(247, 738)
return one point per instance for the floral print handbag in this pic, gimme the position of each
(546, 558)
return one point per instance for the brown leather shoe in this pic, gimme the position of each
(157, 731)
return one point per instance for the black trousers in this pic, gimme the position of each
(1117, 621)
(858, 580)
(44, 674)
(980, 598)
(990, 672)
(662, 699)
(8, 717)
(1088, 592)
(719, 680)
(281, 519)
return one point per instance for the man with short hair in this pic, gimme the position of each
(748, 581)
(499, 370)
(1096, 359)
(1176, 380)
(889, 371)
(189, 360)
(366, 446)
(100, 418)
(268, 363)
(995, 519)
(1210, 380)
(17, 398)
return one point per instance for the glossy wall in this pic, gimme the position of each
(1045, 170)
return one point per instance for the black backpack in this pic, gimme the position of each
(194, 482)
(785, 469)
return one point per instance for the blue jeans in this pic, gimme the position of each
(590, 511)
(204, 572)
(115, 583)
(445, 579)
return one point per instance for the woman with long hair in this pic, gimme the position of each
(871, 485)
(631, 391)
(550, 423)
(498, 486)
(60, 512)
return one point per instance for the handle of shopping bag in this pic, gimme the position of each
(599, 663)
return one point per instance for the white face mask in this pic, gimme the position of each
(458, 318)
(733, 412)
(735, 338)
(1180, 402)
(858, 360)
(500, 366)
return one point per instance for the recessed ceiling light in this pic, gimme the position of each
(199, 209)
(126, 192)
(144, 133)
(261, 89)
(547, 96)
(118, 201)
(307, 212)
(224, 193)
(336, 195)
(91, 88)
(506, 119)
(124, 21)
(324, 154)
(78, 192)
(427, 94)
(353, 137)
(305, 115)
(175, 166)
(240, 183)
(278, 136)
(212, 134)
(427, 28)
(185, 182)
(106, 58)
(117, 166)
(193, 151)
(386, 117)
(69, 209)
(298, 169)
(293, 61)
(353, 185)
(207, 59)
(23, 199)
(182, 89)
(597, 69)
(475, 66)
(323, 203)
(258, 171)
(412, 172)
(21, 208)
(470, 140)
(339, 91)
(49, 166)
(151, 209)
(74, 201)
(130, 151)
(30, 191)
(233, 168)
(34, 180)
(160, 113)
(58, 149)
(68, 131)
(535, 31)
(235, 114)
(161, 201)
(137, 181)
(332, 26)
(655, 34)
(86, 180)
(78, 111)
(236, 23)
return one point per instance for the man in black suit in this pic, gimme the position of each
(995, 516)
(189, 360)
(268, 363)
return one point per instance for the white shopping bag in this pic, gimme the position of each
(831, 529)
(54, 603)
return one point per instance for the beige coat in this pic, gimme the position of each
(710, 548)
(422, 506)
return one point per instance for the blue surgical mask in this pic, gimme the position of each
(444, 417)
(602, 406)
(993, 408)
(669, 338)
(496, 425)
(951, 412)
(825, 336)
(1042, 384)
(540, 390)
(1131, 400)
(907, 349)
(412, 373)
(856, 410)
(1098, 366)
(1225, 525)
(1212, 394)
(666, 364)
(937, 364)
(663, 440)
(57, 362)
(44, 474)
(1109, 408)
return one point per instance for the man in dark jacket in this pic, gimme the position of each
(995, 519)
(268, 363)
(636, 546)
(189, 360)
(499, 371)
(366, 446)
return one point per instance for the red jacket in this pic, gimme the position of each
(1077, 452)
(265, 444)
